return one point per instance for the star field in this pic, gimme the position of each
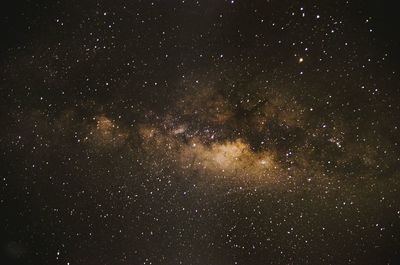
(200, 132)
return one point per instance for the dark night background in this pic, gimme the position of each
(200, 132)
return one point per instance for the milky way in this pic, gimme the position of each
(200, 132)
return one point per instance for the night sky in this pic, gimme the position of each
(202, 132)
